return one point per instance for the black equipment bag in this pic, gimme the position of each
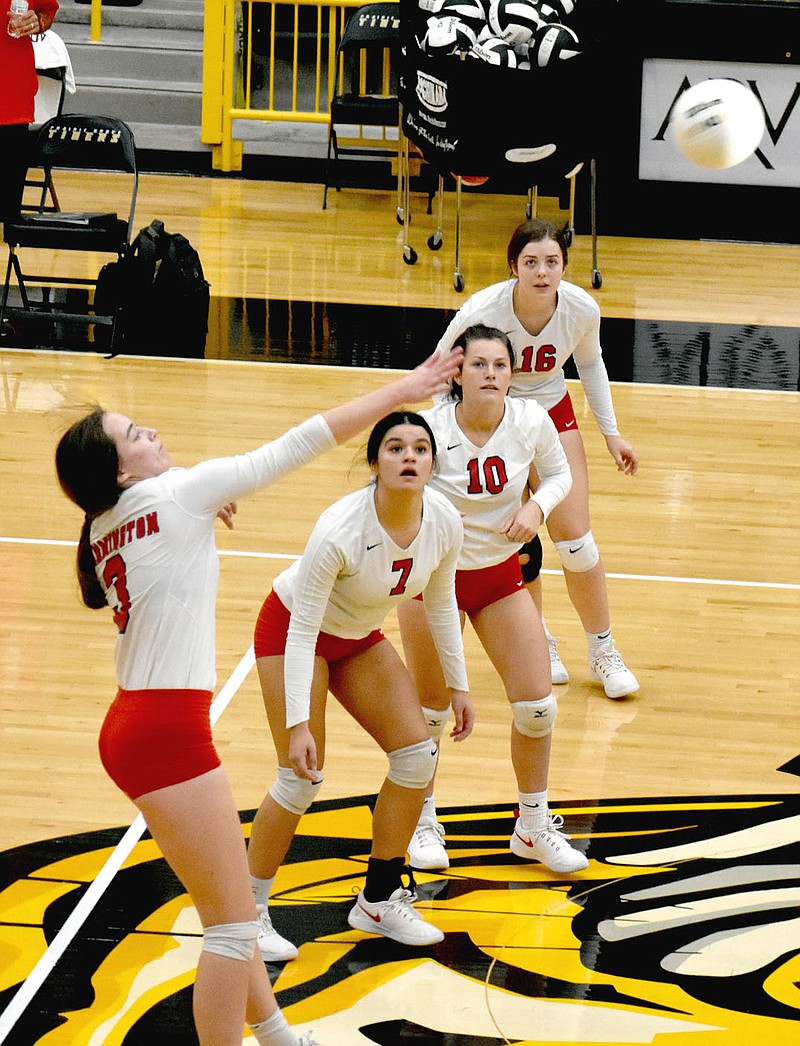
(162, 296)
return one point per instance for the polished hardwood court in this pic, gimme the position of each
(687, 793)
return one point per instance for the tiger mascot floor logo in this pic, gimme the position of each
(684, 929)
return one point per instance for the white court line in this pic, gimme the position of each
(97, 888)
(663, 578)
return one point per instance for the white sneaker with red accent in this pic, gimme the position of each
(394, 918)
(548, 845)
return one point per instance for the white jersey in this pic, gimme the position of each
(487, 484)
(156, 558)
(572, 330)
(352, 573)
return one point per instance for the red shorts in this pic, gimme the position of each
(273, 624)
(563, 415)
(154, 738)
(476, 589)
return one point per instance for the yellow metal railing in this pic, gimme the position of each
(292, 77)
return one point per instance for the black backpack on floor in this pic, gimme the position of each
(162, 294)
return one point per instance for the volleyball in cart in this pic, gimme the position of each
(502, 89)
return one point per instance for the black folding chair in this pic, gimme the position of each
(49, 103)
(365, 88)
(78, 143)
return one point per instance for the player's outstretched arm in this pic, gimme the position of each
(427, 380)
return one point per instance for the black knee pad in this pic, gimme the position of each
(533, 550)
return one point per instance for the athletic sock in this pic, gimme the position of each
(534, 814)
(261, 889)
(596, 639)
(428, 809)
(274, 1031)
(383, 878)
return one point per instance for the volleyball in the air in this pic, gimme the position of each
(446, 36)
(552, 44)
(514, 21)
(717, 123)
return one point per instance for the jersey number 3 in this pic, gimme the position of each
(114, 574)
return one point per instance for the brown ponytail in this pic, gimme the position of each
(87, 465)
(91, 590)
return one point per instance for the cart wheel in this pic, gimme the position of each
(569, 235)
(458, 282)
(401, 218)
(597, 279)
(435, 241)
(409, 256)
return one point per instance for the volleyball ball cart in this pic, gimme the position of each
(503, 90)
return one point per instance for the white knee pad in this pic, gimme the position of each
(233, 940)
(535, 718)
(294, 793)
(579, 554)
(437, 720)
(413, 766)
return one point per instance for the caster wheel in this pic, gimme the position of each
(435, 241)
(458, 282)
(569, 236)
(409, 256)
(528, 212)
(597, 279)
(401, 218)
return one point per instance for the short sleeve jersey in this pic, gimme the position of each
(486, 484)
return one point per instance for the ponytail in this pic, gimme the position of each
(87, 465)
(91, 590)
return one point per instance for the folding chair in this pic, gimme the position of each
(364, 89)
(55, 76)
(78, 143)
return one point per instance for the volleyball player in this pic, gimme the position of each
(319, 630)
(502, 466)
(147, 550)
(548, 320)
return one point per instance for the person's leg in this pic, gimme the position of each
(569, 527)
(426, 848)
(376, 689)
(530, 561)
(511, 633)
(277, 818)
(197, 828)
(14, 148)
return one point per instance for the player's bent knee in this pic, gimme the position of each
(579, 554)
(530, 559)
(535, 718)
(294, 793)
(436, 719)
(413, 766)
(233, 940)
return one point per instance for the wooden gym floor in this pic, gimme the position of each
(684, 928)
